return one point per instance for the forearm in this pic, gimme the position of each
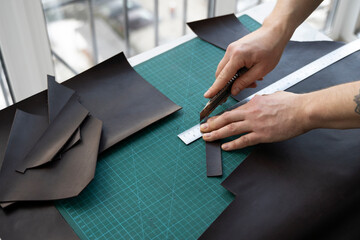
(335, 107)
(288, 15)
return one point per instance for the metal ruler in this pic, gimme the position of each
(290, 80)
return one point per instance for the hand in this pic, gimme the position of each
(264, 119)
(259, 51)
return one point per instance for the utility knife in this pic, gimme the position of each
(221, 96)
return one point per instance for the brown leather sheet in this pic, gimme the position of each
(29, 221)
(303, 188)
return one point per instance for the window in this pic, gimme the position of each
(5, 97)
(85, 32)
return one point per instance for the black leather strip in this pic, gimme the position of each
(213, 159)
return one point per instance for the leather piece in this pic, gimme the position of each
(58, 96)
(296, 189)
(228, 26)
(213, 159)
(27, 138)
(28, 221)
(75, 138)
(290, 62)
(114, 93)
(55, 136)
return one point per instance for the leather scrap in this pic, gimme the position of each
(58, 96)
(75, 138)
(28, 221)
(213, 159)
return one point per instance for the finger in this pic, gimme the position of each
(222, 64)
(246, 140)
(246, 79)
(229, 130)
(217, 122)
(253, 85)
(224, 77)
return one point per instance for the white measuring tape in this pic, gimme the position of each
(290, 80)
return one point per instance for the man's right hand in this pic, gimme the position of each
(259, 51)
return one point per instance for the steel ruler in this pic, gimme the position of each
(193, 133)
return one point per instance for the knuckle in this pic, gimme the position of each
(226, 116)
(238, 51)
(231, 128)
(231, 46)
(212, 122)
(244, 141)
(242, 49)
(222, 74)
(256, 99)
(215, 135)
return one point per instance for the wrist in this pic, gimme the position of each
(281, 27)
(278, 28)
(307, 113)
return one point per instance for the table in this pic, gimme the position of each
(151, 185)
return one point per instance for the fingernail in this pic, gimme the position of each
(204, 126)
(207, 135)
(225, 146)
(207, 92)
(237, 90)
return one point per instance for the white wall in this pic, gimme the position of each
(224, 7)
(25, 46)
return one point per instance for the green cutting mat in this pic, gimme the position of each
(151, 185)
